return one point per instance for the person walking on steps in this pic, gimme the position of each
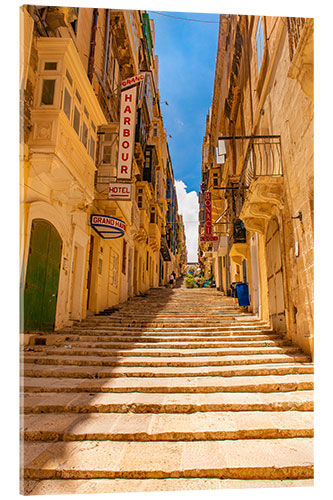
(172, 279)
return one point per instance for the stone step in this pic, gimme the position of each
(43, 369)
(153, 318)
(264, 383)
(165, 331)
(84, 402)
(131, 330)
(104, 360)
(150, 313)
(170, 325)
(168, 427)
(234, 459)
(149, 338)
(81, 486)
(162, 352)
(108, 343)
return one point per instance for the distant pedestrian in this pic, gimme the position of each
(172, 279)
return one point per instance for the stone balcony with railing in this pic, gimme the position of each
(261, 182)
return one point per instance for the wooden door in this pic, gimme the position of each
(42, 277)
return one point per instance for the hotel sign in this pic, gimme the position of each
(126, 133)
(208, 213)
(108, 227)
(120, 191)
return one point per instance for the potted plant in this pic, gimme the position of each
(189, 282)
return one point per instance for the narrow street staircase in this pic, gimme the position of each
(176, 390)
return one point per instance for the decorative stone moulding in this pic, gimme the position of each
(264, 198)
(238, 252)
(301, 66)
(43, 131)
(140, 235)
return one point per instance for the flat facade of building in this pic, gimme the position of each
(73, 63)
(258, 166)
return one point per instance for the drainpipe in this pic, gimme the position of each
(91, 60)
(107, 38)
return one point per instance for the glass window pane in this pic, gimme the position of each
(69, 78)
(107, 154)
(50, 66)
(76, 121)
(92, 148)
(67, 103)
(85, 135)
(48, 92)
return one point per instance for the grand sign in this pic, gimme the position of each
(126, 133)
(132, 81)
(108, 227)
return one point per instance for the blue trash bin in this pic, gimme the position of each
(243, 294)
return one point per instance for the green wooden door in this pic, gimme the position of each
(42, 277)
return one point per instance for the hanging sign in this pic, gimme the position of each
(108, 227)
(120, 191)
(208, 238)
(126, 133)
(208, 213)
(132, 81)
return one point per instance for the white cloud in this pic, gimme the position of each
(188, 207)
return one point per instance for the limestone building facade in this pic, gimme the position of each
(74, 62)
(257, 163)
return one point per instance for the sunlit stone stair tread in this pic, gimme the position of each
(241, 459)
(84, 402)
(81, 486)
(104, 359)
(168, 427)
(46, 370)
(266, 383)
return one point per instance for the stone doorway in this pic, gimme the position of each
(275, 277)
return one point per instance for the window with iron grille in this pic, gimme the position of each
(150, 164)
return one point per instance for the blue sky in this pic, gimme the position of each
(187, 56)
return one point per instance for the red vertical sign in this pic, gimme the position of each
(126, 133)
(208, 213)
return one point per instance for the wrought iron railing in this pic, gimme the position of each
(262, 159)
